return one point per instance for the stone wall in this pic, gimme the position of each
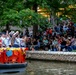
(48, 55)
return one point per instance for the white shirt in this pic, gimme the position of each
(22, 43)
(7, 41)
(17, 41)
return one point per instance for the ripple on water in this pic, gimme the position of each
(48, 68)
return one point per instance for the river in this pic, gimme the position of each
(47, 68)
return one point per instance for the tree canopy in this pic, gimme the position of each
(20, 13)
(14, 13)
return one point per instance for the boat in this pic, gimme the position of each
(12, 60)
(13, 68)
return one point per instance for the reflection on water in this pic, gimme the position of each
(48, 68)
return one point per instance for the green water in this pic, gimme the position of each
(48, 68)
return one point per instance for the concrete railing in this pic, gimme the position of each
(49, 55)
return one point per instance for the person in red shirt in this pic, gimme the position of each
(50, 32)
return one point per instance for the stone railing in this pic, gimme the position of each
(48, 55)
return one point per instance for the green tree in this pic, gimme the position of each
(15, 14)
(9, 17)
(34, 4)
(55, 5)
(8, 11)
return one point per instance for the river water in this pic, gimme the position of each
(47, 68)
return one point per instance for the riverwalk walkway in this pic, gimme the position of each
(51, 55)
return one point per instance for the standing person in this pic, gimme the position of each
(23, 41)
(15, 40)
(2, 38)
(7, 40)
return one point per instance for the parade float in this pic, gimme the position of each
(12, 59)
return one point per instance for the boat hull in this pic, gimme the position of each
(13, 67)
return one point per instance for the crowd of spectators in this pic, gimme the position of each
(61, 37)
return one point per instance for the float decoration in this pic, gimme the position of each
(12, 55)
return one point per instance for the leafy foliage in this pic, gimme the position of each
(13, 12)
(23, 18)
